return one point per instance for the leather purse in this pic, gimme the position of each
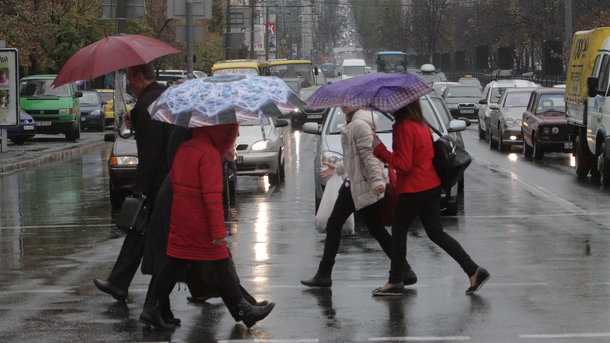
(133, 215)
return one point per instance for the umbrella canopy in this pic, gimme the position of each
(109, 54)
(385, 92)
(224, 99)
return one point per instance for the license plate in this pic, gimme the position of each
(568, 145)
(468, 111)
(83, 118)
(28, 127)
(240, 159)
(314, 116)
(43, 123)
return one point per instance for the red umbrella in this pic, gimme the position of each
(109, 54)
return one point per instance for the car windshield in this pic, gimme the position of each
(463, 92)
(470, 82)
(431, 78)
(354, 70)
(307, 92)
(517, 99)
(292, 70)
(265, 122)
(551, 103)
(42, 88)
(90, 99)
(106, 96)
(240, 71)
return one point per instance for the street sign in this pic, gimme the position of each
(134, 9)
(197, 33)
(9, 82)
(202, 9)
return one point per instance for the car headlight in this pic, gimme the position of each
(546, 131)
(95, 113)
(510, 122)
(330, 157)
(124, 161)
(554, 130)
(262, 145)
(63, 111)
(518, 122)
(452, 106)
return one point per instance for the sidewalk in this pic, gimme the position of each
(48, 148)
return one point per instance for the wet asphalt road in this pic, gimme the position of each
(542, 234)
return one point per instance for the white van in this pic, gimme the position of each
(352, 67)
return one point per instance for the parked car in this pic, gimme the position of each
(24, 131)
(55, 109)
(107, 96)
(544, 125)
(123, 165)
(92, 111)
(470, 81)
(303, 115)
(463, 101)
(504, 128)
(261, 156)
(491, 94)
(328, 146)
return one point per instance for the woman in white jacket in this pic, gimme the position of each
(364, 186)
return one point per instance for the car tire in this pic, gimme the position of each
(538, 152)
(18, 141)
(482, 134)
(116, 198)
(603, 166)
(492, 143)
(502, 146)
(102, 125)
(73, 132)
(583, 157)
(527, 150)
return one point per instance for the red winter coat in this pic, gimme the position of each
(197, 208)
(411, 157)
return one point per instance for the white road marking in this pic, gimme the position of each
(420, 338)
(569, 335)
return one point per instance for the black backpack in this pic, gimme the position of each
(450, 159)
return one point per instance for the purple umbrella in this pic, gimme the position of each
(385, 92)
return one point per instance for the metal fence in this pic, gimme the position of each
(485, 78)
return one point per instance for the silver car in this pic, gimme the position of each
(504, 127)
(261, 155)
(328, 146)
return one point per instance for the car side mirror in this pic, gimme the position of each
(281, 123)
(592, 83)
(483, 102)
(466, 120)
(457, 125)
(313, 128)
(78, 94)
(110, 137)
(494, 106)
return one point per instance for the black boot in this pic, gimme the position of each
(251, 314)
(318, 281)
(152, 315)
(168, 315)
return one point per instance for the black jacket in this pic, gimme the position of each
(152, 139)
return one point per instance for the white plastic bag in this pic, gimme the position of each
(328, 202)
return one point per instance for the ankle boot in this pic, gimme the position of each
(250, 314)
(151, 315)
(168, 315)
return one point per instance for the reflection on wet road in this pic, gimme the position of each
(542, 234)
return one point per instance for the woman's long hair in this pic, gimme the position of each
(411, 112)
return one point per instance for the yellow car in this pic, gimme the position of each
(107, 96)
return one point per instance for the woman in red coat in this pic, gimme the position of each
(197, 229)
(419, 194)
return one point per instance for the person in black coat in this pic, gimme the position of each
(152, 139)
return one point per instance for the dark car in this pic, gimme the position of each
(92, 111)
(303, 115)
(24, 131)
(463, 101)
(123, 164)
(544, 126)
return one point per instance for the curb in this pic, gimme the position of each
(52, 157)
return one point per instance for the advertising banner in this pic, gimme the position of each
(259, 37)
(9, 87)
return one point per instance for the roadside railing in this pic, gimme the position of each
(485, 78)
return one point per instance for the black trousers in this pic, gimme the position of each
(344, 207)
(426, 205)
(129, 259)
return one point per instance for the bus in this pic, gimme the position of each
(391, 61)
(240, 67)
(293, 69)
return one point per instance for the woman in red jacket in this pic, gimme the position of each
(419, 194)
(197, 228)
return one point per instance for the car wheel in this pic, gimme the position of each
(481, 133)
(18, 141)
(492, 143)
(116, 198)
(502, 146)
(583, 157)
(274, 179)
(102, 125)
(603, 166)
(73, 132)
(527, 150)
(538, 148)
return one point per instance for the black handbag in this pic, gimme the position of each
(450, 159)
(133, 215)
